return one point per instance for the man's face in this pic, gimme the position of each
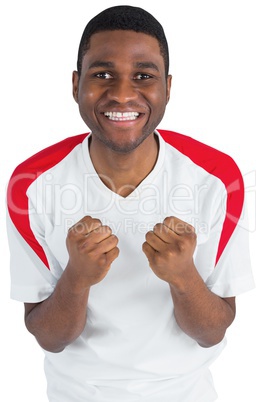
(122, 91)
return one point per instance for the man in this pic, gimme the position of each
(126, 243)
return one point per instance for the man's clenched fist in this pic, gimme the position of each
(169, 249)
(92, 248)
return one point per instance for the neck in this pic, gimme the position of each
(122, 173)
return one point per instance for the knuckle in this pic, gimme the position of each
(170, 254)
(117, 250)
(149, 235)
(168, 220)
(158, 260)
(70, 233)
(193, 236)
(190, 234)
(94, 224)
(75, 229)
(114, 239)
(190, 229)
(96, 221)
(182, 246)
(106, 229)
(102, 262)
(145, 248)
(158, 228)
(83, 226)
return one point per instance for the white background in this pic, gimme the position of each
(216, 65)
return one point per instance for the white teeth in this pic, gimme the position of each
(119, 116)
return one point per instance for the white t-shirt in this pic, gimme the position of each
(131, 348)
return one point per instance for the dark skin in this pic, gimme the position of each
(122, 94)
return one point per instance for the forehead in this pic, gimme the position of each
(120, 44)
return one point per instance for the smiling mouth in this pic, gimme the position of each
(122, 116)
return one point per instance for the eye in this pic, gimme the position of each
(103, 75)
(142, 76)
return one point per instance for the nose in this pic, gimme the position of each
(122, 90)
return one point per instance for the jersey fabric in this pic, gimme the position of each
(131, 348)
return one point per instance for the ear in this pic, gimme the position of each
(169, 80)
(75, 85)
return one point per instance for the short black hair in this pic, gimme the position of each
(124, 18)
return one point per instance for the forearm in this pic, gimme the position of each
(200, 313)
(60, 319)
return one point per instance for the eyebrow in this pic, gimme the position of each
(109, 64)
(146, 64)
(101, 64)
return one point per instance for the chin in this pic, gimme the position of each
(123, 147)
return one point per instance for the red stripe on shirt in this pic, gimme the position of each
(23, 176)
(223, 167)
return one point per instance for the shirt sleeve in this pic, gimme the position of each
(31, 280)
(34, 271)
(232, 274)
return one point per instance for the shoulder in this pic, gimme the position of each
(48, 157)
(30, 169)
(214, 161)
